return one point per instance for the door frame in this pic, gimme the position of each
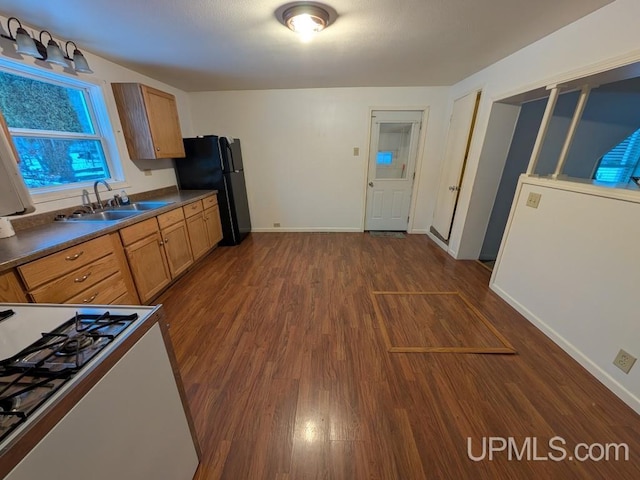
(418, 166)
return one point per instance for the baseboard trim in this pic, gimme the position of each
(607, 380)
(307, 229)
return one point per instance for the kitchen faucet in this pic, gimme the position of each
(95, 190)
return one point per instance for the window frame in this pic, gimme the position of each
(99, 116)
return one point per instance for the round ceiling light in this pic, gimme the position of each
(306, 19)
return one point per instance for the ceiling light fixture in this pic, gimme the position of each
(52, 53)
(306, 18)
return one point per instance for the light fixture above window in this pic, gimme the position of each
(306, 18)
(52, 53)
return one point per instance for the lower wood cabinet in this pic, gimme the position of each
(93, 272)
(126, 267)
(176, 245)
(198, 235)
(11, 290)
(147, 259)
(213, 225)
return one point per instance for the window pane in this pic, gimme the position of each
(46, 162)
(32, 104)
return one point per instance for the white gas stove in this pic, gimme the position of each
(43, 347)
(64, 367)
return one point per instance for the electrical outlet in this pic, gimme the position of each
(356, 151)
(147, 173)
(276, 225)
(533, 200)
(624, 361)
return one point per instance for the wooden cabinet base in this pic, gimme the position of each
(11, 290)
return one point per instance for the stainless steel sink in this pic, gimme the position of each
(143, 206)
(105, 216)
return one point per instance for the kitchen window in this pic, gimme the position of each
(59, 127)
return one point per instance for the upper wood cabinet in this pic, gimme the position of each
(149, 120)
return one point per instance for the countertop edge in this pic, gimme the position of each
(178, 199)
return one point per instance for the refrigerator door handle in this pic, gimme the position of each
(220, 156)
(233, 165)
(229, 212)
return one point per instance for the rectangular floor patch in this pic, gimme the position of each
(445, 322)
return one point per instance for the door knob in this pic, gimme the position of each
(371, 184)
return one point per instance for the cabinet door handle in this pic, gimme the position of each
(82, 278)
(71, 258)
(90, 299)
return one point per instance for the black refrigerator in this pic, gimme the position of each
(215, 163)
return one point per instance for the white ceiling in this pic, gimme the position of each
(203, 45)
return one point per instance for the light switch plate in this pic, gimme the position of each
(533, 200)
(356, 151)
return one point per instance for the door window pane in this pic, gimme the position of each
(393, 150)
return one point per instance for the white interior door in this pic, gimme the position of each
(455, 156)
(392, 163)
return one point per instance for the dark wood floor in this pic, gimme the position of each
(288, 377)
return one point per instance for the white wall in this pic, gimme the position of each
(606, 38)
(298, 150)
(571, 267)
(598, 275)
(105, 72)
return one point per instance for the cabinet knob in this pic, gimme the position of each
(160, 243)
(166, 240)
(157, 149)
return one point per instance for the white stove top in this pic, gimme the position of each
(31, 320)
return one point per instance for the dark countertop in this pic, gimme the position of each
(37, 242)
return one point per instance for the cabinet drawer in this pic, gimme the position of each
(46, 269)
(138, 231)
(125, 299)
(102, 293)
(192, 209)
(210, 201)
(75, 282)
(167, 219)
